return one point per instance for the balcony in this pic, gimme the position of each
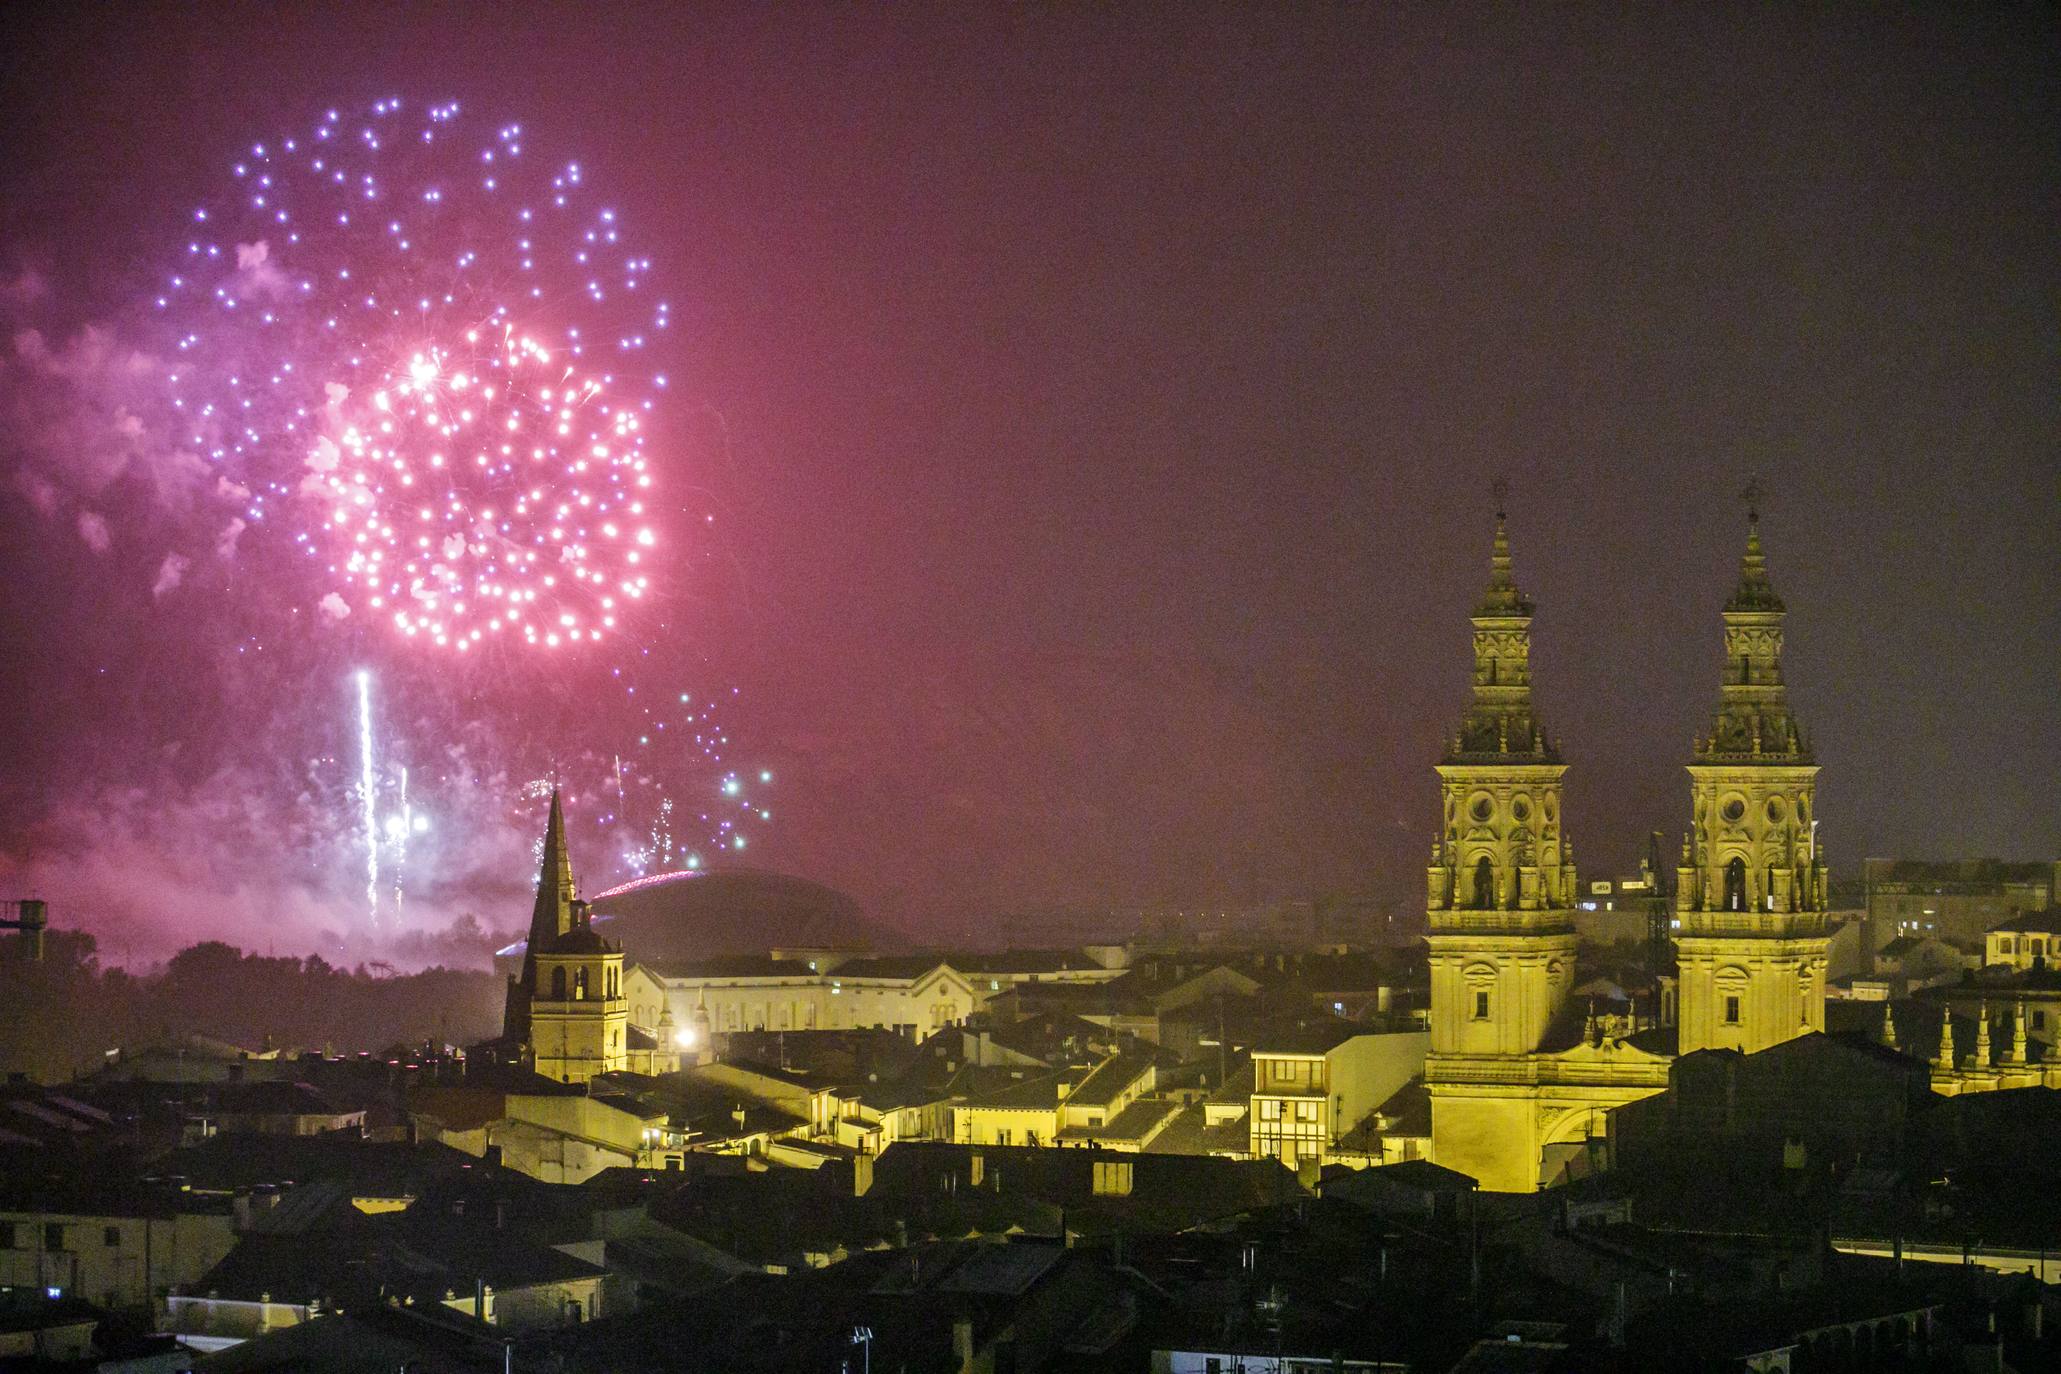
(1470, 922)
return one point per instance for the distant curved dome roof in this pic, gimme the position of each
(693, 915)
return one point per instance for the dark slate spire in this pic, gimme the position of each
(552, 916)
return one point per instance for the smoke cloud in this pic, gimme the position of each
(94, 532)
(256, 273)
(170, 574)
(152, 869)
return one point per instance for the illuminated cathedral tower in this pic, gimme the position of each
(566, 1008)
(1499, 905)
(1750, 902)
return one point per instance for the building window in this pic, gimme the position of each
(9, 1238)
(1732, 1006)
(1305, 1111)
(53, 1235)
(558, 985)
(1481, 1006)
(1735, 885)
(2039, 1020)
(1484, 884)
(2006, 945)
(1270, 1109)
(111, 1236)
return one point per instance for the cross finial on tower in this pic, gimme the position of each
(1753, 495)
(1500, 489)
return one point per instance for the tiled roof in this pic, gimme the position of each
(1318, 1037)
(1139, 1122)
(731, 966)
(1013, 961)
(1238, 1087)
(1425, 1176)
(1032, 1094)
(2046, 922)
(907, 967)
(1408, 1109)
(1108, 1079)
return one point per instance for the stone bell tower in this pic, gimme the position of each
(1501, 884)
(566, 1008)
(1751, 897)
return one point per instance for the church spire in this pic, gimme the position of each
(1499, 723)
(1753, 719)
(1755, 591)
(552, 915)
(1502, 599)
(549, 919)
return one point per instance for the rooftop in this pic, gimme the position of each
(1137, 1124)
(2046, 922)
(1107, 1081)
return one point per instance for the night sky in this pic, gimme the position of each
(1098, 415)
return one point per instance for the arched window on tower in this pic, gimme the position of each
(1484, 885)
(558, 985)
(1735, 884)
